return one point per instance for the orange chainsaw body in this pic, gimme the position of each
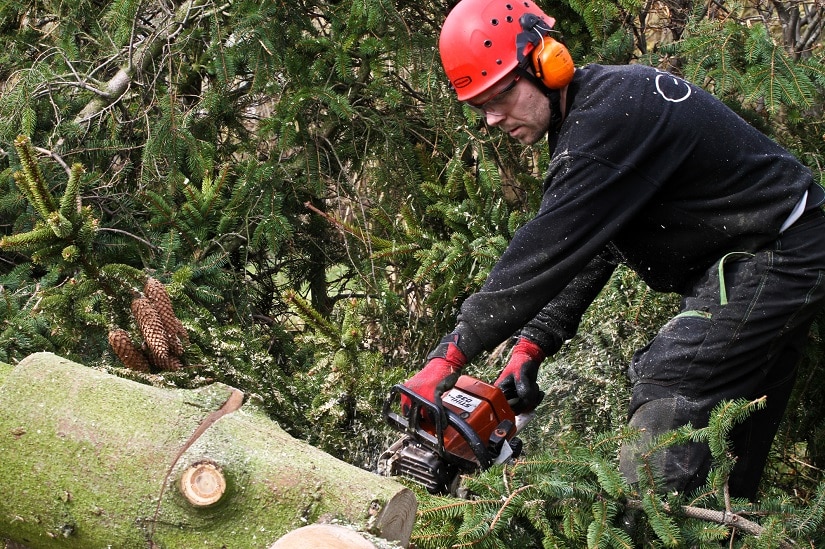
(470, 429)
(483, 407)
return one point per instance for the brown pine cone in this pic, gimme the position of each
(131, 357)
(175, 345)
(151, 328)
(157, 294)
(169, 364)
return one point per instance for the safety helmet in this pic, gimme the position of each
(480, 40)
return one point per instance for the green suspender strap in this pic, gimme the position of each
(723, 292)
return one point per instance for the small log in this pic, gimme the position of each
(323, 536)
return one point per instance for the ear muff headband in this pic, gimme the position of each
(550, 59)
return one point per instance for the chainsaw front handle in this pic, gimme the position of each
(410, 422)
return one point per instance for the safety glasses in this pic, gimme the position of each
(495, 102)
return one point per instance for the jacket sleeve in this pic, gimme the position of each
(559, 320)
(586, 202)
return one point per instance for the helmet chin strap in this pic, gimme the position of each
(558, 107)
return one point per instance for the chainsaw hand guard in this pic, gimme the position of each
(415, 411)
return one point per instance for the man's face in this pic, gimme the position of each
(516, 107)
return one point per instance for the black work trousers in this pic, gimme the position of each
(740, 334)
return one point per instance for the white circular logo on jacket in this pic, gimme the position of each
(672, 88)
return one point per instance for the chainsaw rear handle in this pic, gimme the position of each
(442, 418)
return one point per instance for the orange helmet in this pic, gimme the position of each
(481, 39)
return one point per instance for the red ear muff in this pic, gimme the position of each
(552, 63)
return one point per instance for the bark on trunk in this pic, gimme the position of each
(88, 459)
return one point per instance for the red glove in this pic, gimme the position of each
(518, 379)
(439, 375)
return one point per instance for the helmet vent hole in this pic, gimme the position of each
(488, 43)
(509, 19)
(498, 61)
(483, 73)
(494, 22)
(509, 6)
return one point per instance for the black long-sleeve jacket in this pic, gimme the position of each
(648, 170)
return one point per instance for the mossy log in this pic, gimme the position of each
(88, 459)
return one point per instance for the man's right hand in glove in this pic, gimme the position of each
(518, 379)
(439, 375)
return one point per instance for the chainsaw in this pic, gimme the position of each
(469, 430)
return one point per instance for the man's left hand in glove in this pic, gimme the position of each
(439, 375)
(518, 378)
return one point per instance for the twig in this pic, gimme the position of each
(726, 518)
(56, 157)
(120, 231)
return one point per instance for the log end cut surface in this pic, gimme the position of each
(322, 536)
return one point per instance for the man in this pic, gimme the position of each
(651, 171)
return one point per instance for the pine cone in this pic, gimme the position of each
(156, 292)
(131, 357)
(151, 328)
(169, 364)
(175, 345)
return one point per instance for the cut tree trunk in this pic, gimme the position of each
(88, 459)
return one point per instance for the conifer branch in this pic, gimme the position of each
(311, 316)
(31, 179)
(138, 60)
(70, 201)
(725, 518)
(348, 228)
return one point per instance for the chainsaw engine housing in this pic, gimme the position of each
(470, 429)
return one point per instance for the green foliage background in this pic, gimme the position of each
(318, 205)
